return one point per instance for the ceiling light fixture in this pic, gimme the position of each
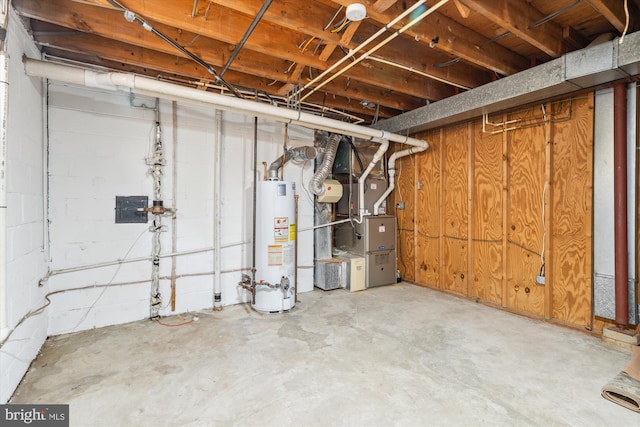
(356, 12)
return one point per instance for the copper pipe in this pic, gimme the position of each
(620, 202)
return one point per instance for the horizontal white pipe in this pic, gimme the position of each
(120, 261)
(324, 225)
(137, 84)
(392, 174)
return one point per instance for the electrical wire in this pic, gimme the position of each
(306, 43)
(173, 325)
(626, 23)
(48, 296)
(140, 20)
(340, 25)
(104, 288)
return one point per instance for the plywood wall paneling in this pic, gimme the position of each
(487, 216)
(572, 215)
(526, 182)
(547, 216)
(442, 213)
(470, 279)
(479, 204)
(427, 211)
(405, 192)
(456, 209)
(506, 208)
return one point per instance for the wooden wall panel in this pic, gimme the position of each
(405, 184)
(479, 204)
(525, 236)
(456, 210)
(572, 214)
(487, 216)
(427, 208)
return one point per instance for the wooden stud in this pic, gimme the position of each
(548, 223)
(470, 202)
(506, 207)
(443, 179)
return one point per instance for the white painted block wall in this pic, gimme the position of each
(26, 259)
(98, 143)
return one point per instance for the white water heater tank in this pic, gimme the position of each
(275, 246)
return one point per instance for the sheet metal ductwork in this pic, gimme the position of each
(296, 153)
(327, 163)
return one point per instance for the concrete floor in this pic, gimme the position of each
(394, 356)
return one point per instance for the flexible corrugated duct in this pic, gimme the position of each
(327, 163)
(296, 153)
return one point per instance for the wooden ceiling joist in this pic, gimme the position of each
(517, 17)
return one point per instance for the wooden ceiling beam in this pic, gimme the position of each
(517, 16)
(296, 19)
(109, 24)
(612, 10)
(130, 54)
(454, 39)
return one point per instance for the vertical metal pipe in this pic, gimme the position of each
(174, 196)
(620, 203)
(217, 209)
(255, 202)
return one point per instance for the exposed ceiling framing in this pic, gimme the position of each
(462, 45)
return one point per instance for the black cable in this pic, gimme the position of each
(357, 154)
(147, 26)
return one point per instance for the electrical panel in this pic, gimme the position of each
(128, 209)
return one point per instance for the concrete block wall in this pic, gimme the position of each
(98, 143)
(25, 231)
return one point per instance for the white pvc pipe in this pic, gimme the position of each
(151, 87)
(4, 109)
(392, 174)
(376, 158)
(217, 206)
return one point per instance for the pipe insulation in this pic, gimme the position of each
(129, 82)
(392, 174)
(325, 167)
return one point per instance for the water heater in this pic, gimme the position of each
(275, 247)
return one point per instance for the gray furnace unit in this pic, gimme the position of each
(375, 240)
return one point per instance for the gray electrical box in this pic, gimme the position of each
(128, 209)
